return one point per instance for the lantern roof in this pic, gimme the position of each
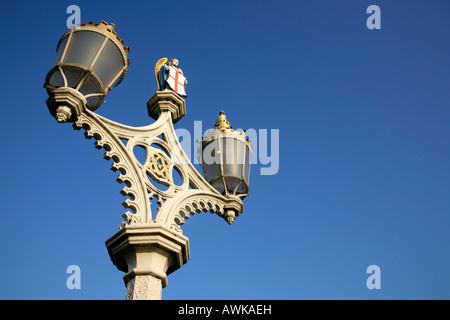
(107, 28)
(223, 128)
(221, 122)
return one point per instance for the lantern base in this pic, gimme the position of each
(65, 104)
(233, 209)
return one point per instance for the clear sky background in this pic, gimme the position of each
(363, 118)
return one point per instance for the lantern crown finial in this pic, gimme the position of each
(111, 27)
(221, 122)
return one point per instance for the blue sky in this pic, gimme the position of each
(363, 119)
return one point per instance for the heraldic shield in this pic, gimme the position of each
(176, 81)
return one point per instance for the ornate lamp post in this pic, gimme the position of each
(150, 244)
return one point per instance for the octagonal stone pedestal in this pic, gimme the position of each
(147, 253)
(166, 100)
(66, 104)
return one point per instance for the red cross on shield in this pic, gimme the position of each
(176, 81)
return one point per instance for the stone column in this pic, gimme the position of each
(147, 253)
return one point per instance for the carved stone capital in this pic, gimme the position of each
(66, 104)
(232, 208)
(147, 253)
(166, 100)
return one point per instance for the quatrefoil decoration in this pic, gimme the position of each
(160, 165)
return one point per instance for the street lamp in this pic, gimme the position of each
(225, 156)
(90, 60)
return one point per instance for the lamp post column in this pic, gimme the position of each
(147, 253)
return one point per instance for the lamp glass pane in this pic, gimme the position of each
(242, 188)
(211, 160)
(248, 158)
(218, 185)
(60, 49)
(232, 156)
(73, 75)
(109, 63)
(90, 85)
(232, 183)
(94, 102)
(56, 79)
(84, 46)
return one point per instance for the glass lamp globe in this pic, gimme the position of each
(225, 156)
(91, 59)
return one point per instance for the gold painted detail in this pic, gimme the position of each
(221, 122)
(160, 165)
(158, 66)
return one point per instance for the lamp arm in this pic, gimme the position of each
(163, 155)
(104, 133)
(181, 207)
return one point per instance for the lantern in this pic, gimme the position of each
(91, 59)
(225, 156)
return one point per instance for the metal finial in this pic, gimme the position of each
(108, 26)
(112, 27)
(221, 122)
